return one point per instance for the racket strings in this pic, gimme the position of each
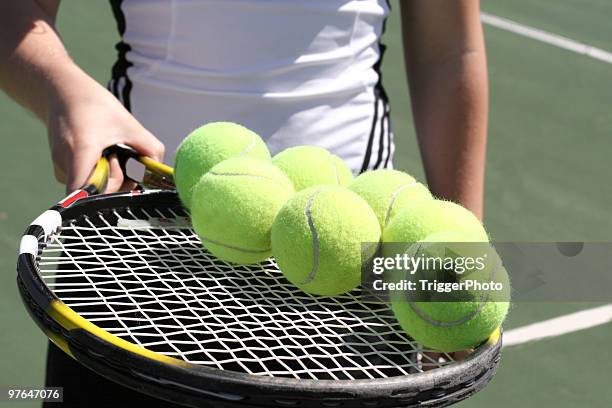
(141, 274)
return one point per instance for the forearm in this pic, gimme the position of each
(33, 60)
(450, 108)
(81, 116)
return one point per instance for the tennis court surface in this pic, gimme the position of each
(548, 180)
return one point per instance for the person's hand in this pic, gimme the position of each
(83, 119)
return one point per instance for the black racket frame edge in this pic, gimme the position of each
(200, 386)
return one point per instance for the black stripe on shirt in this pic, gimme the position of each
(120, 69)
(368, 152)
(389, 138)
(385, 136)
(379, 94)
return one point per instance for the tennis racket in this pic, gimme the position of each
(120, 282)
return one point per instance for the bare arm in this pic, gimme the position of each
(81, 116)
(32, 57)
(447, 72)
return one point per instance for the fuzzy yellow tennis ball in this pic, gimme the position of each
(389, 191)
(308, 166)
(464, 316)
(234, 206)
(317, 239)
(208, 146)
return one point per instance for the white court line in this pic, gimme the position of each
(546, 37)
(558, 326)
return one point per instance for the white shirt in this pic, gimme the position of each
(295, 71)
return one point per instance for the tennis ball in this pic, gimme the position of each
(234, 206)
(414, 223)
(318, 238)
(209, 145)
(389, 191)
(463, 318)
(308, 166)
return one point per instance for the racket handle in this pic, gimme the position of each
(156, 175)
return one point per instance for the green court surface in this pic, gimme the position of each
(548, 180)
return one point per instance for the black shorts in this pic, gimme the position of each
(85, 388)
